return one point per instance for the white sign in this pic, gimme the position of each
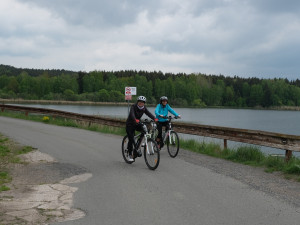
(130, 90)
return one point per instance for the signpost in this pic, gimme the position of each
(129, 91)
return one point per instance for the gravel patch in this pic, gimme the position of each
(273, 184)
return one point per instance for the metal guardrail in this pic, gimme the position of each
(286, 142)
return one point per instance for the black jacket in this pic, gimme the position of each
(136, 113)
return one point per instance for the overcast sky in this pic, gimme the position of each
(247, 38)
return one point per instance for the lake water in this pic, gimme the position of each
(286, 122)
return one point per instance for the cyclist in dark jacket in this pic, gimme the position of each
(132, 123)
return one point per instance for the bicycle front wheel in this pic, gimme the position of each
(173, 144)
(125, 150)
(151, 154)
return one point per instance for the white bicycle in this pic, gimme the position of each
(143, 140)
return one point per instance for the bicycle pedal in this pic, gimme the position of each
(139, 153)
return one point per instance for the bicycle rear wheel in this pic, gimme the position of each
(151, 154)
(124, 150)
(173, 144)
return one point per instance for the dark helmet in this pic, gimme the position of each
(142, 99)
(163, 98)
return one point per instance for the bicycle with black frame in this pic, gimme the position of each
(169, 137)
(143, 140)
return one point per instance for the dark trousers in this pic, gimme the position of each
(130, 130)
(159, 128)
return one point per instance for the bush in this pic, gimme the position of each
(198, 103)
(179, 102)
(46, 119)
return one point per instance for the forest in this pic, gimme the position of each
(185, 90)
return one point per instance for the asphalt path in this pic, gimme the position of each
(178, 192)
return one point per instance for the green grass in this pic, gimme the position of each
(59, 121)
(4, 188)
(9, 152)
(25, 150)
(248, 155)
(4, 178)
(4, 151)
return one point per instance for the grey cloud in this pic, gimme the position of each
(275, 6)
(96, 13)
(238, 33)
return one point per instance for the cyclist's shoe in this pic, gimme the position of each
(139, 153)
(130, 159)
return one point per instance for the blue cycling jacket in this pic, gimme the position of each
(160, 110)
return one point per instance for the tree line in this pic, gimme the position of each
(197, 90)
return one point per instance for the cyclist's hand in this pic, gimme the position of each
(137, 121)
(178, 116)
(162, 116)
(155, 119)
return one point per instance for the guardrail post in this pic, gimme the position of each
(225, 143)
(2, 109)
(26, 113)
(288, 155)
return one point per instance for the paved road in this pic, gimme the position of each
(178, 192)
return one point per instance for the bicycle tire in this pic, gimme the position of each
(124, 150)
(173, 147)
(151, 155)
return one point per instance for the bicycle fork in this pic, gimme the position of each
(150, 149)
(172, 138)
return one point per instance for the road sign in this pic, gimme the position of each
(130, 90)
(128, 97)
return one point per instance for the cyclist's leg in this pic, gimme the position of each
(159, 136)
(166, 125)
(136, 152)
(130, 132)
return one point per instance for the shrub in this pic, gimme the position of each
(46, 119)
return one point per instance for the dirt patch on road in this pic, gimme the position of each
(40, 191)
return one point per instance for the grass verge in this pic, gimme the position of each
(9, 152)
(248, 155)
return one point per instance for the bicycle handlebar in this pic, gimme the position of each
(170, 117)
(146, 121)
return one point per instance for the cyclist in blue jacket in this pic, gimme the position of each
(162, 110)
